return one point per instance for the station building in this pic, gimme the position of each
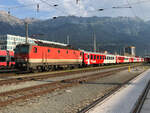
(129, 51)
(9, 42)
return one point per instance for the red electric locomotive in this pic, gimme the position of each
(6, 59)
(46, 56)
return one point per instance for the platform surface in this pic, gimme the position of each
(124, 100)
(146, 105)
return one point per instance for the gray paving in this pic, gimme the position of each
(146, 105)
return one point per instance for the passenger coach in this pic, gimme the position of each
(6, 59)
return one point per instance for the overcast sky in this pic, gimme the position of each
(85, 8)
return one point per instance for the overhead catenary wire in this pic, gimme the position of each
(141, 10)
(133, 12)
(54, 6)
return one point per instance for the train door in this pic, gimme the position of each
(7, 58)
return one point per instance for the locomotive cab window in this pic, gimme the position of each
(35, 50)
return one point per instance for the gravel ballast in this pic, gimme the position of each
(72, 99)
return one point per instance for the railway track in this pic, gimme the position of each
(142, 99)
(137, 108)
(15, 72)
(46, 76)
(30, 92)
(24, 75)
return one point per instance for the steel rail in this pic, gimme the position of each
(141, 99)
(33, 91)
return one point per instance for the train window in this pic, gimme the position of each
(104, 57)
(91, 56)
(97, 57)
(100, 57)
(74, 52)
(12, 59)
(2, 59)
(58, 51)
(88, 56)
(80, 53)
(35, 50)
(49, 51)
(67, 51)
(94, 57)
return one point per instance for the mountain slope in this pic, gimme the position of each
(112, 34)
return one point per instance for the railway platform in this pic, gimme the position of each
(128, 98)
(144, 106)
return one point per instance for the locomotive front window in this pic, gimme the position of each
(22, 49)
(2, 59)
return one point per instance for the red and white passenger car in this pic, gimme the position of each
(6, 59)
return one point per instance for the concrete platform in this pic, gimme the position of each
(146, 105)
(125, 99)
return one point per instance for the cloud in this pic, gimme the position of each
(87, 8)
